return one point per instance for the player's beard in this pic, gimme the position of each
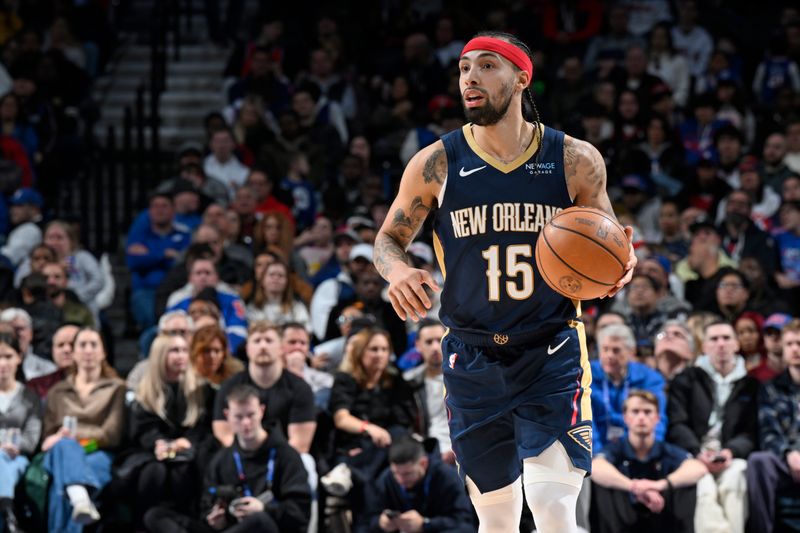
(489, 114)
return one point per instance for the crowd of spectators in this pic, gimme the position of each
(277, 390)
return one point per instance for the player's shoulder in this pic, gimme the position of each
(576, 150)
(430, 162)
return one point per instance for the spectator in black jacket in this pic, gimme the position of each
(711, 408)
(256, 485)
(371, 404)
(777, 466)
(170, 425)
(420, 493)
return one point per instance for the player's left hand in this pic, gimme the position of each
(632, 261)
(410, 522)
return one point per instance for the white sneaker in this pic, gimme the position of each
(338, 481)
(85, 513)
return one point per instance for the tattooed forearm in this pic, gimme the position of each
(390, 244)
(406, 226)
(436, 167)
(387, 253)
(585, 173)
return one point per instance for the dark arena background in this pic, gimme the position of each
(193, 336)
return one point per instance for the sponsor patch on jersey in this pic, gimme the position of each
(583, 436)
(544, 167)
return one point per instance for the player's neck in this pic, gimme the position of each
(507, 139)
(642, 444)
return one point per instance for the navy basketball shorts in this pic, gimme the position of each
(507, 404)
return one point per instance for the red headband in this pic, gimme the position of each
(504, 48)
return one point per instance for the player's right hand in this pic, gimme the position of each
(407, 294)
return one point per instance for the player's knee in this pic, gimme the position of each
(498, 510)
(553, 506)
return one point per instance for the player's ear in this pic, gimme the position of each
(523, 80)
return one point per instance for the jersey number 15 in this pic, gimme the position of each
(516, 267)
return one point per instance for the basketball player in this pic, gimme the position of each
(515, 364)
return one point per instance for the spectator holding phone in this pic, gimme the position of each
(418, 492)
(170, 425)
(711, 408)
(258, 484)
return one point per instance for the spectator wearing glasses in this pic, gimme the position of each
(674, 349)
(731, 296)
(711, 408)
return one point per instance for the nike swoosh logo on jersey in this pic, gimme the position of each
(464, 173)
(551, 351)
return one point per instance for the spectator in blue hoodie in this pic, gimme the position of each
(614, 374)
(150, 252)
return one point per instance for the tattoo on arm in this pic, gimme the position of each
(390, 245)
(435, 167)
(585, 173)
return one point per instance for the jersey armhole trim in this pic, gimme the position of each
(440, 196)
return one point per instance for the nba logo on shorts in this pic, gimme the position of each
(453, 357)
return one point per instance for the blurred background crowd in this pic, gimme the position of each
(242, 295)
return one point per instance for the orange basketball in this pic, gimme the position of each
(582, 252)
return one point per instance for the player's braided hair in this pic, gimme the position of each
(529, 112)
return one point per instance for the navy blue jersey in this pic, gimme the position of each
(489, 218)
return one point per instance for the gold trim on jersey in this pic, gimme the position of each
(496, 163)
(586, 379)
(439, 251)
